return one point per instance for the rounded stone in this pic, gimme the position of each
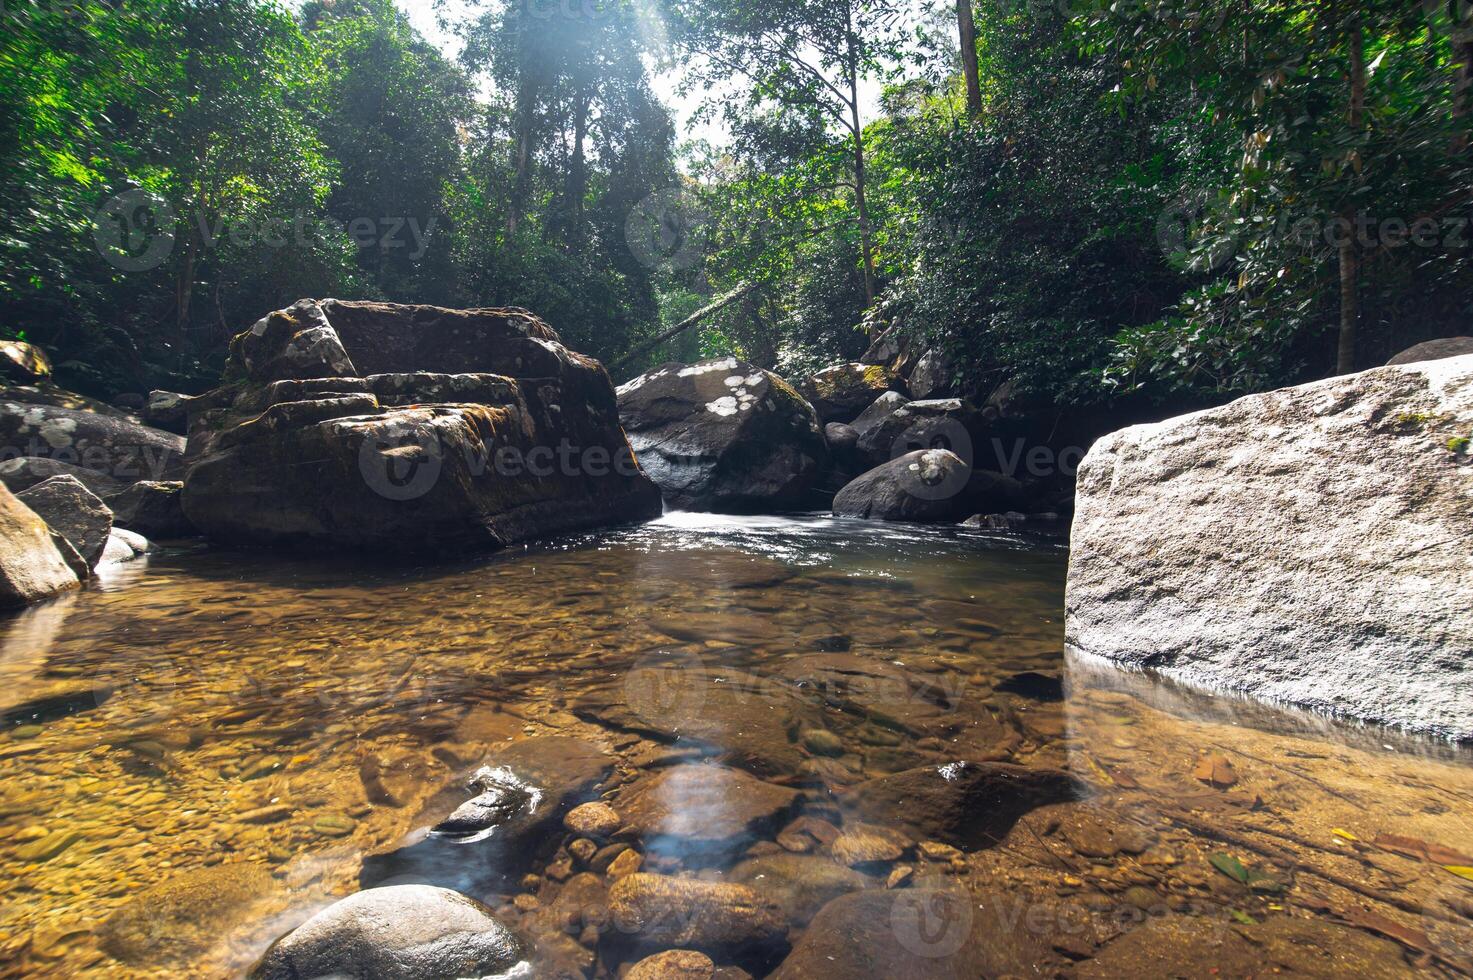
(596, 820)
(401, 932)
(677, 964)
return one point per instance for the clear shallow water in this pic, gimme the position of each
(201, 752)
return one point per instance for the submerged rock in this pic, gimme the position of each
(701, 809)
(1308, 545)
(656, 910)
(32, 565)
(841, 392)
(800, 883)
(928, 932)
(184, 916)
(75, 513)
(518, 799)
(723, 435)
(676, 964)
(971, 805)
(404, 932)
(297, 448)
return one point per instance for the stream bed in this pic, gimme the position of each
(875, 728)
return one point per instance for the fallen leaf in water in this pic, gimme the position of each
(1462, 871)
(1343, 834)
(1421, 850)
(1230, 866)
(1243, 917)
(1217, 770)
(1406, 935)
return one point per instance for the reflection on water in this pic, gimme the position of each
(200, 753)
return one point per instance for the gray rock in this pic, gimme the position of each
(32, 566)
(124, 546)
(403, 932)
(723, 435)
(941, 423)
(932, 376)
(920, 486)
(841, 438)
(1308, 545)
(75, 513)
(117, 447)
(25, 472)
(879, 410)
(154, 509)
(1434, 350)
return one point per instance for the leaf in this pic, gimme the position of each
(1421, 850)
(1216, 770)
(1462, 871)
(1243, 917)
(1230, 866)
(1343, 834)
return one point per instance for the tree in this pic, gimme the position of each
(967, 35)
(802, 63)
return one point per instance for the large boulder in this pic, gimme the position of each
(1308, 545)
(921, 486)
(403, 932)
(1434, 350)
(117, 447)
(74, 512)
(167, 410)
(924, 486)
(723, 435)
(520, 442)
(841, 392)
(879, 410)
(32, 565)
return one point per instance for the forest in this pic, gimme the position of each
(1183, 199)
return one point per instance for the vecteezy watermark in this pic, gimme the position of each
(123, 462)
(930, 477)
(584, 10)
(404, 461)
(666, 688)
(933, 922)
(1180, 228)
(138, 230)
(667, 230)
(134, 231)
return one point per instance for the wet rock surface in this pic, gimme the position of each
(967, 804)
(723, 435)
(154, 509)
(698, 809)
(404, 932)
(683, 912)
(935, 931)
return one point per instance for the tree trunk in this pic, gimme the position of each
(184, 287)
(967, 30)
(1350, 248)
(860, 185)
(577, 186)
(522, 146)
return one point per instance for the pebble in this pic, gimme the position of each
(267, 814)
(627, 863)
(583, 850)
(900, 875)
(334, 825)
(26, 731)
(821, 741)
(596, 820)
